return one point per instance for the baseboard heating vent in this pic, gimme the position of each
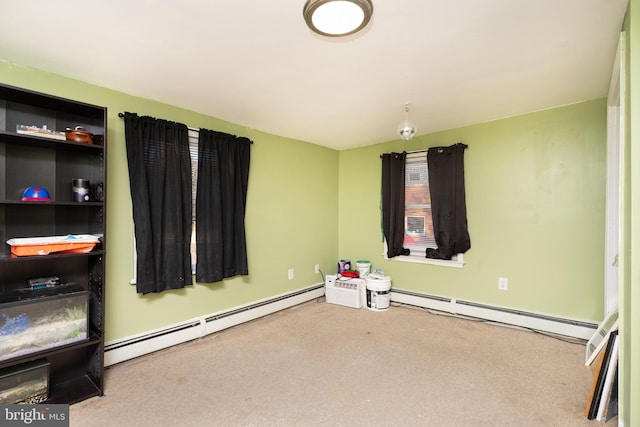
(536, 321)
(151, 335)
(138, 345)
(219, 321)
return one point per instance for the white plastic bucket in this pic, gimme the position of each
(364, 267)
(378, 293)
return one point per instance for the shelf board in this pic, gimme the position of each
(53, 203)
(39, 141)
(24, 96)
(11, 258)
(93, 340)
(73, 390)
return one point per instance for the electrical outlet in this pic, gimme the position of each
(503, 283)
(317, 268)
(291, 274)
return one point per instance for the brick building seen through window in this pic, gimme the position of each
(418, 222)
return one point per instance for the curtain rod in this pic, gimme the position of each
(427, 149)
(121, 115)
(412, 152)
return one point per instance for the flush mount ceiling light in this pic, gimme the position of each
(406, 129)
(336, 18)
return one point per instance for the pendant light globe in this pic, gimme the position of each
(406, 129)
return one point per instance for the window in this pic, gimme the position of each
(193, 151)
(221, 248)
(418, 224)
(414, 225)
(418, 221)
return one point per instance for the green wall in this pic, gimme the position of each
(535, 188)
(291, 218)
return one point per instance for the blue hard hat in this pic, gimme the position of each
(36, 193)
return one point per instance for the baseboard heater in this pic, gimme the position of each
(138, 345)
(539, 322)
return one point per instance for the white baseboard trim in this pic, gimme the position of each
(119, 350)
(123, 349)
(539, 322)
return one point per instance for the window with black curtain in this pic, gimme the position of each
(221, 198)
(160, 183)
(448, 201)
(445, 168)
(393, 184)
(163, 165)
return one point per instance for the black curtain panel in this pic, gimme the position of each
(393, 183)
(448, 206)
(160, 179)
(223, 174)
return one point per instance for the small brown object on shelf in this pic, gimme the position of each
(79, 135)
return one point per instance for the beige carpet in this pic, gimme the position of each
(326, 365)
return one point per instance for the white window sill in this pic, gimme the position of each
(456, 262)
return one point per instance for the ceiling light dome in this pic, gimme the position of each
(335, 18)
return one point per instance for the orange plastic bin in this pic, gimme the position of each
(28, 246)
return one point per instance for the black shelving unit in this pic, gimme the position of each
(75, 369)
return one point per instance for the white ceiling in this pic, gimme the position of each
(255, 63)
